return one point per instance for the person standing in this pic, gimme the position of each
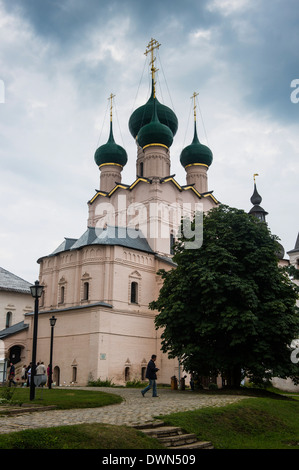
(151, 375)
(24, 374)
(41, 369)
(11, 376)
(41, 377)
(29, 374)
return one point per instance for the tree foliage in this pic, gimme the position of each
(228, 307)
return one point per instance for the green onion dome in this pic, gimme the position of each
(196, 153)
(110, 153)
(155, 133)
(143, 115)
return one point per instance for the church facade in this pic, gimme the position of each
(99, 286)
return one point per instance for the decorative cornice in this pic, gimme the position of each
(197, 164)
(155, 145)
(114, 164)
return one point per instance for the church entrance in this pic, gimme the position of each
(15, 354)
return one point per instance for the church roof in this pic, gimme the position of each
(196, 153)
(155, 132)
(143, 116)
(12, 330)
(11, 282)
(110, 153)
(65, 245)
(120, 236)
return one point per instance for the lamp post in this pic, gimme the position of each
(52, 323)
(36, 292)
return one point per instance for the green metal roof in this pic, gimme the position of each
(121, 236)
(110, 152)
(196, 153)
(143, 115)
(155, 132)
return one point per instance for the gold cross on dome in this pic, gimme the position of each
(111, 106)
(152, 45)
(194, 105)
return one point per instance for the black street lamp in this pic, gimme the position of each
(52, 323)
(36, 292)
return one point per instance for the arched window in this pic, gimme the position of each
(15, 354)
(134, 292)
(127, 374)
(62, 292)
(172, 240)
(42, 299)
(143, 372)
(141, 169)
(74, 379)
(8, 320)
(85, 290)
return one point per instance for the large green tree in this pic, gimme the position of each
(227, 307)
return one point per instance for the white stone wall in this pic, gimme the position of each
(16, 303)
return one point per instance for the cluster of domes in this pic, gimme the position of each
(153, 124)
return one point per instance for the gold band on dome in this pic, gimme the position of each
(157, 145)
(115, 164)
(197, 164)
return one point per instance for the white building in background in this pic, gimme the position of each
(15, 302)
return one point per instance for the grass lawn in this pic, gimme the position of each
(254, 423)
(267, 421)
(65, 399)
(81, 436)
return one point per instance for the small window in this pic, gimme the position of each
(134, 293)
(143, 372)
(8, 320)
(85, 290)
(141, 169)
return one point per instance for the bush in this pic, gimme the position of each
(7, 395)
(136, 384)
(213, 387)
(100, 383)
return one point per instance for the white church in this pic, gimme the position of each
(99, 286)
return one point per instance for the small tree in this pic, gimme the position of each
(228, 307)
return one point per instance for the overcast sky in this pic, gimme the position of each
(61, 59)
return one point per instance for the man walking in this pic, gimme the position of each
(151, 376)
